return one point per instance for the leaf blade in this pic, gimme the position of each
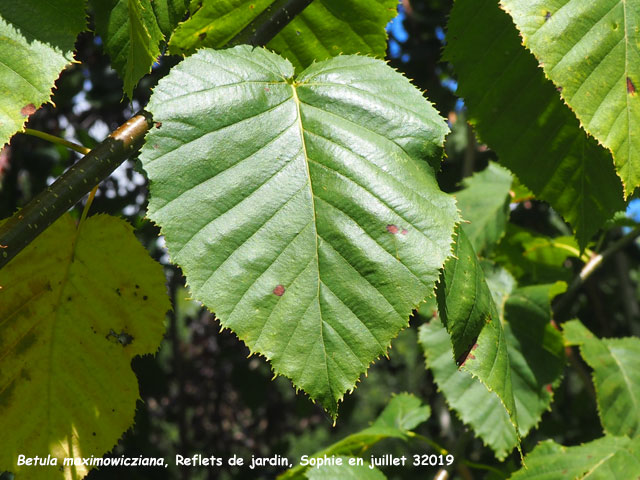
(521, 117)
(31, 59)
(67, 364)
(326, 241)
(590, 51)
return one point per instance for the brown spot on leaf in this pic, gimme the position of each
(28, 109)
(392, 229)
(549, 388)
(158, 124)
(279, 290)
(631, 88)
(547, 16)
(202, 36)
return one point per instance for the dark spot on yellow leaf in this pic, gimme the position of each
(547, 16)
(123, 338)
(144, 297)
(202, 36)
(392, 229)
(25, 343)
(118, 292)
(28, 109)
(279, 290)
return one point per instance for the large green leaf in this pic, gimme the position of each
(605, 458)
(616, 376)
(536, 360)
(518, 113)
(32, 55)
(131, 36)
(484, 202)
(304, 212)
(403, 413)
(591, 51)
(324, 29)
(70, 323)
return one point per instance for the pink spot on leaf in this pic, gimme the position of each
(279, 290)
(392, 229)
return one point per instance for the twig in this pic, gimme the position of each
(26, 224)
(590, 267)
(270, 22)
(44, 209)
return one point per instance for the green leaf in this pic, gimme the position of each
(131, 36)
(536, 351)
(535, 361)
(32, 57)
(71, 324)
(474, 404)
(464, 300)
(591, 51)
(169, 13)
(533, 258)
(324, 29)
(304, 212)
(345, 472)
(518, 113)
(467, 310)
(484, 202)
(605, 458)
(403, 413)
(616, 377)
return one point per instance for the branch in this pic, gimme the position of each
(50, 204)
(270, 22)
(590, 267)
(44, 209)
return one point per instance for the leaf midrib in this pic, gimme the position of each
(315, 230)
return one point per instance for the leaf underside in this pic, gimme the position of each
(31, 58)
(324, 29)
(591, 51)
(306, 213)
(519, 114)
(69, 331)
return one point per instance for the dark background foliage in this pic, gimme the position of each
(202, 393)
